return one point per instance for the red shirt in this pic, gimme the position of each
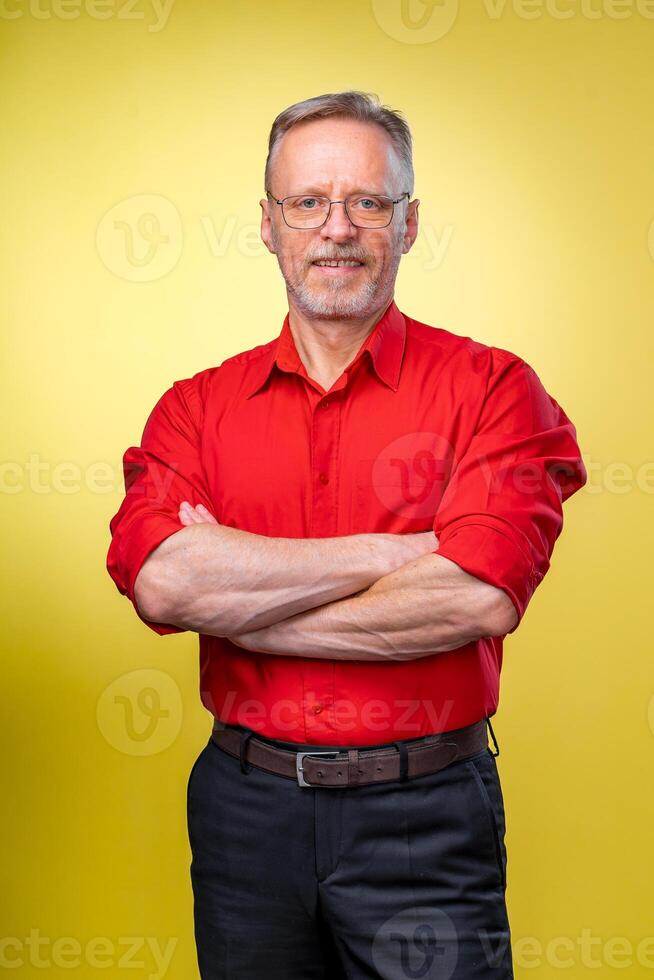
(423, 429)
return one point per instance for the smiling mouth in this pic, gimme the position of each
(337, 263)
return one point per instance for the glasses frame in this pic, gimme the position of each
(341, 201)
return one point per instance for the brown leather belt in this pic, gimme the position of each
(345, 766)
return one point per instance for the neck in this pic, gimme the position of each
(326, 346)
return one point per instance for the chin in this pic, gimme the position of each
(337, 305)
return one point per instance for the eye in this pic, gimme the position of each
(367, 203)
(309, 201)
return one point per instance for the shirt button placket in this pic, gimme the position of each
(319, 674)
(324, 453)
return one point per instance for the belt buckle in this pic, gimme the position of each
(299, 758)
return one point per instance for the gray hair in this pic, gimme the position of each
(362, 106)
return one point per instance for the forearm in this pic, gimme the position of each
(220, 580)
(427, 606)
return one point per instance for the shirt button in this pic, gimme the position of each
(324, 404)
(317, 708)
(323, 478)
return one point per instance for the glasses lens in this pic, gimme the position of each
(370, 211)
(305, 211)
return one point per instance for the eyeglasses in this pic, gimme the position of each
(304, 211)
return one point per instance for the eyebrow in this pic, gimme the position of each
(314, 189)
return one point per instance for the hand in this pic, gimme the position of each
(195, 515)
(431, 539)
(243, 640)
(420, 543)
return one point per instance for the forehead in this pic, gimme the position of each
(337, 154)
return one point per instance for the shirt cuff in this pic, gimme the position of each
(489, 552)
(125, 562)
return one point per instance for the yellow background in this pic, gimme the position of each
(534, 160)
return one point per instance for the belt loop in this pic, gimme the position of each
(404, 760)
(245, 766)
(488, 722)
(353, 766)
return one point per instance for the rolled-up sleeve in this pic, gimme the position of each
(160, 473)
(501, 511)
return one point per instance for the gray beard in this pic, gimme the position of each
(338, 301)
(335, 302)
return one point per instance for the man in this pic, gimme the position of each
(352, 516)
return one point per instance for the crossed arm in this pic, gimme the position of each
(358, 597)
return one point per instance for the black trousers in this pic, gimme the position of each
(395, 880)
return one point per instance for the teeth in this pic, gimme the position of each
(335, 264)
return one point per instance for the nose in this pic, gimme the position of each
(338, 226)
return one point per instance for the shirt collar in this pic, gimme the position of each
(385, 346)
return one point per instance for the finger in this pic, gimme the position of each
(199, 515)
(206, 514)
(188, 515)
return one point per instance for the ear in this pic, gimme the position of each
(266, 224)
(411, 222)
